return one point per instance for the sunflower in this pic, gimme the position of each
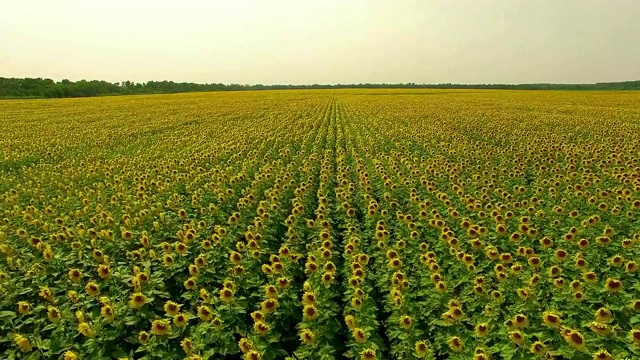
(137, 300)
(252, 355)
(551, 319)
(75, 275)
(600, 328)
(590, 277)
(23, 343)
(261, 328)
(310, 312)
(308, 298)
(107, 312)
(283, 282)
(421, 349)
(481, 329)
(143, 337)
(205, 313)
(47, 253)
(603, 315)
(160, 327)
(271, 291)
(190, 283)
(23, 307)
(257, 316)
(70, 355)
(168, 260)
(359, 335)
(180, 320)
(187, 346)
(245, 345)
(368, 354)
(104, 271)
(53, 314)
(171, 308)
(226, 295)
(613, 285)
(517, 337)
(307, 337)
(46, 294)
(634, 337)
(269, 305)
(538, 348)
(406, 322)
(327, 278)
(86, 330)
(574, 338)
(455, 343)
(73, 296)
(602, 354)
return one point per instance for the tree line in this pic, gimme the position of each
(47, 88)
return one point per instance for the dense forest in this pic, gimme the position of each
(47, 88)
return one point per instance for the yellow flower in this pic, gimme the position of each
(455, 344)
(634, 337)
(602, 354)
(368, 354)
(73, 296)
(538, 348)
(252, 355)
(269, 305)
(143, 337)
(92, 289)
(53, 314)
(181, 248)
(104, 271)
(551, 319)
(80, 316)
(271, 291)
(23, 307)
(168, 260)
(613, 285)
(482, 329)
(604, 315)
(406, 322)
(310, 312)
(261, 328)
(171, 308)
(422, 349)
(180, 320)
(107, 312)
(308, 337)
(517, 337)
(187, 346)
(190, 283)
(46, 294)
(245, 345)
(226, 295)
(574, 338)
(359, 335)
(47, 254)
(204, 313)
(70, 355)
(137, 300)
(22, 342)
(160, 327)
(75, 275)
(86, 330)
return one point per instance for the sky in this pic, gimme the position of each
(322, 41)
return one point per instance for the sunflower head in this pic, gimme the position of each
(160, 327)
(455, 343)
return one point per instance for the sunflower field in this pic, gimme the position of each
(330, 224)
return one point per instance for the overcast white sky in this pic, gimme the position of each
(322, 41)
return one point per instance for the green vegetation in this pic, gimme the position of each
(47, 88)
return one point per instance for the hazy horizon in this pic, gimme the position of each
(324, 42)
